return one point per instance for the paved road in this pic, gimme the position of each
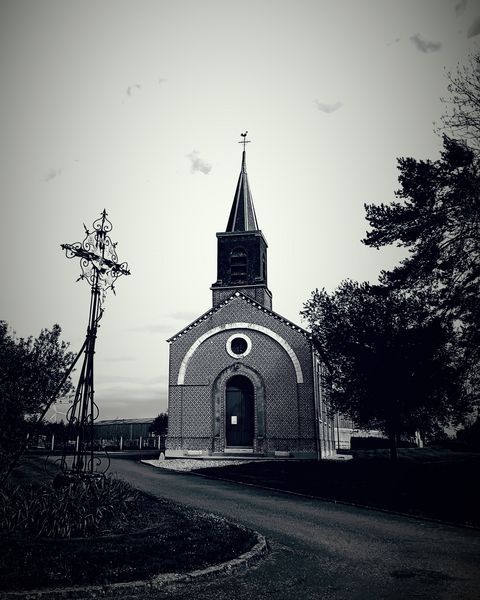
(320, 549)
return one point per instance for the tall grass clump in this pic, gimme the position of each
(79, 509)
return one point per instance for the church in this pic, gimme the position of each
(242, 378)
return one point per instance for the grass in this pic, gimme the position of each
(89, 507)
(156, 536)
(436, 484)
(149, 537)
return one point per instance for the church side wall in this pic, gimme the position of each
(326, 420)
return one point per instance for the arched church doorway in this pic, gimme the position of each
(239, 411)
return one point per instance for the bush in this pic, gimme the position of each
(82, 508)
(470, 436)
(31, 374)
(374, 443)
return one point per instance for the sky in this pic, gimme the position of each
(136, 106)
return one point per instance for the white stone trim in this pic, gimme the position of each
(228, 345)
(252, 326)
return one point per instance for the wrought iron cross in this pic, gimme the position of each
(100, 267)
(98, 256)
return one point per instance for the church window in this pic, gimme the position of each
(238, 345)
(238, 265)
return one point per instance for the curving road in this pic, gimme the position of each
(321, 549)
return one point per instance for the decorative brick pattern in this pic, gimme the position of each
(197, 411)
(286, 412)
(260, 294)
(175, 412)
(237, 328)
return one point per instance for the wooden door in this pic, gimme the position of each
(239, 412)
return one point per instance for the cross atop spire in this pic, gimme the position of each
(244, 141)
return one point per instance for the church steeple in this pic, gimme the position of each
(242, 215)
(242, 249)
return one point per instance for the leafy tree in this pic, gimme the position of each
(462, 117)
(438, 220)
(390, 365)
(31, 371)
(160, 424)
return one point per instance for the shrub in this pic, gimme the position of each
(470, 436)
(81, 508)
(373, 443)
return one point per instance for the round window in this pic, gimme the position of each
(238, 345)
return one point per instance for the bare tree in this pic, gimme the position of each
(461, 120)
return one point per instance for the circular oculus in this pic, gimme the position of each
(238, 345)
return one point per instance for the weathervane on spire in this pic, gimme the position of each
(244, 141)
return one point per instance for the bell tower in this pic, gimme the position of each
(242, 248)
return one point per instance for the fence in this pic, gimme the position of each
(51, 442)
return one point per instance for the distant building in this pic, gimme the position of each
(242, 377)
(128, 429)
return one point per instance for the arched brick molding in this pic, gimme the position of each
(282, 342)
(218, 399)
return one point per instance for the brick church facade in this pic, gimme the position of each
(243, 379)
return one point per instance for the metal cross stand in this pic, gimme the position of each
(100, 268)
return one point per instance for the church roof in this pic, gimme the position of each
(210, 312)
(242, 215)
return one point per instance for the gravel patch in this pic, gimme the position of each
(189, 464)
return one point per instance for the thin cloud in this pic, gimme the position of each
(121, 392)
(170, 327)
(127, 381)
(132, 88)
(116, 404)
(184, 316)
(395, 41)
(460, 7)
(474, 28)
(119, 379)
(153, 328)
(52, 173)
(328, 108)
(161, 80)
(425, 45)
(119, 358)
(197, 164)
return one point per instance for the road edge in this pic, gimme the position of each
(329, 500)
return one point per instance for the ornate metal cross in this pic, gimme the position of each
(98, 256)
(100, 268)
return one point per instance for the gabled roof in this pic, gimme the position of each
(242, 214)
(210, 312)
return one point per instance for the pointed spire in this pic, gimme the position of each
(242, 214)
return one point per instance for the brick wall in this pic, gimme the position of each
(258, 293)
(196, 419)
